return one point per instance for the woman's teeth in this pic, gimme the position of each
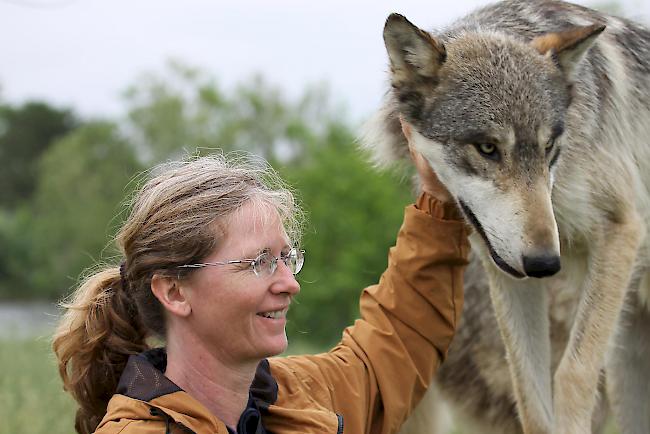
(276, 314)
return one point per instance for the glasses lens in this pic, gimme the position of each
(264, 264)
(294, 260)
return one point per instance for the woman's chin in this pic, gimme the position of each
(275, 346)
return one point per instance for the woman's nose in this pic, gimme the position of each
(284, 280)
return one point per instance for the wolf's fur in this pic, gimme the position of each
(475, 378)
(538, 122)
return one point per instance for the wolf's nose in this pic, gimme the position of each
(541, 266)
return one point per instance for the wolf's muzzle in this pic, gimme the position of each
(498, 260)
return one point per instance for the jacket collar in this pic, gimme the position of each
(143, 380)
(143, 377)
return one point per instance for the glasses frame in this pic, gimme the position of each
(273, 264)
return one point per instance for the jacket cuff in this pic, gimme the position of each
(438, 209)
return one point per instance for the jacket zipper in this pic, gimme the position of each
(340, 428)
(155, 411)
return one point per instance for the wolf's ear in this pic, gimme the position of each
(568, 46)
(413, 53)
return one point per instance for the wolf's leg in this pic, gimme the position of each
(602, 411)
(613, 253)
(521, 308)
(431, 416)
(628, 366)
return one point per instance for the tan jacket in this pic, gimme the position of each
(369, 383)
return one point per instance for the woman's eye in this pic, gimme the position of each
(263, 259)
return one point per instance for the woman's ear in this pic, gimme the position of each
(171, 295)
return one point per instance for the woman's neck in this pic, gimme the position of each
(220, 385)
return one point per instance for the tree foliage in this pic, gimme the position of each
(180, 109)
(354, 215)
(25, 133)
(81, 179)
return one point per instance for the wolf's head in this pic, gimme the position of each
(488, 111)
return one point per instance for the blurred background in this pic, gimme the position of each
(94, 92)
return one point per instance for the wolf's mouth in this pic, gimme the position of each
(495, 256)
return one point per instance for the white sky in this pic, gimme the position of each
(83, 53)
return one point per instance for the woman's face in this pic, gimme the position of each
(238, 315)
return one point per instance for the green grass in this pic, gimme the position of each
(31, 396)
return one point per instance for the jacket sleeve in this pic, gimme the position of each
(387, 359)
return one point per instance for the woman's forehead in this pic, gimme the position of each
(255, 226)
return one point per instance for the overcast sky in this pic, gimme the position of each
(83, 53)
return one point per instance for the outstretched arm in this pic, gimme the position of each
(387, 359)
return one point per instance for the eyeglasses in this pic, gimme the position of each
(265, 264)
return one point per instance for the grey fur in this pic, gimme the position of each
(571, 172)
(628, 381)
(475, 379)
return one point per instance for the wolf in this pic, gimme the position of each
(536, 116)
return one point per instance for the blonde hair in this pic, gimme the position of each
(178, 217)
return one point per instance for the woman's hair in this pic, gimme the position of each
(178, 217)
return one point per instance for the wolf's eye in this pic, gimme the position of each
(549, 146)
(488, 150)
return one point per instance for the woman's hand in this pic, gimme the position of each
(429, 181)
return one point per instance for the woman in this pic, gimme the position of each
(209, 269)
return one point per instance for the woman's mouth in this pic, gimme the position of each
(274, 314)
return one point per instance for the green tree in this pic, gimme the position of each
(83, 179)
(354, 215)
(25, 133)
(174, 112)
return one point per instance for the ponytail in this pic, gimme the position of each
(93, 341)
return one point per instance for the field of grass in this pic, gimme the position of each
(31, 396)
